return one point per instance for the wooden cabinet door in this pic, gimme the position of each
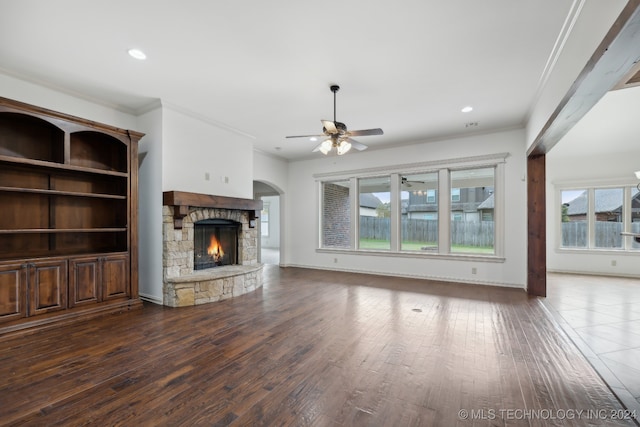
(13, 289)
(84, 281)
(115, 277)
(47, 286)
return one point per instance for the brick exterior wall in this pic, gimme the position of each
(335, 216)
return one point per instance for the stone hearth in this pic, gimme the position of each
(182, 285)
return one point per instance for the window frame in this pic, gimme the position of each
(431, 196)
(443, 168)
(591, 187)
(265, 208)
(455, 194)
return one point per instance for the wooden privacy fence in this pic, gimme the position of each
(575, 235)
(472, 233)
(423, 230)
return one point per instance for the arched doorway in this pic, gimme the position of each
(269, 230)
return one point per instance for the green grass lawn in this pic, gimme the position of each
(417, 246)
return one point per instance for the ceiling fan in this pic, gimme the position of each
(336, 133)
(409, 183)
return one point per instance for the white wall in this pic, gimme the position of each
(193, 148)
(302, 226)
(271, 170)
(40, 96)
(150, 206)
(274, 171)
(593, 22)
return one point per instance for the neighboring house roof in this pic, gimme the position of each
(608, 200)
(368, 200)
(487, 204)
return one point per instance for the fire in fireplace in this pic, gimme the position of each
(215, 243)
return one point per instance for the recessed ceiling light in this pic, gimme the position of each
(638, 174)
(313, 138)
(467, 109)
(137, 53)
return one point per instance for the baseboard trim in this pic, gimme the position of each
(415, 276)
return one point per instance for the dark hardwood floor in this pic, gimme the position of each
(311, 348)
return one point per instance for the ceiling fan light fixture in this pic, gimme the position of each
(325, 147)
(343, 147)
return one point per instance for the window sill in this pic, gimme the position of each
(415, 255)
(601, 251)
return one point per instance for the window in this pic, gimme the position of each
(473, 189)
(375, 213)
(608, 217)
(419, 223)
(264, 220)
(573, 211)
(595, 218)
(411, 212)
(336, 208)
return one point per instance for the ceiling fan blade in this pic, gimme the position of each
(305, 136)
(366, 132)
(357, 145)
(329, 126)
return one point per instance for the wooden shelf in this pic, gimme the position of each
(65, 230)
(59, 166)
(62, 193)
(69, 222)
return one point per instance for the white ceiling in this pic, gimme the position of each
(264, 68)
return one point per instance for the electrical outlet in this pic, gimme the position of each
(613, 263)
(335, 260)
(207, 177)
(474, 270)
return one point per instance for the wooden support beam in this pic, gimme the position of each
(536, 227)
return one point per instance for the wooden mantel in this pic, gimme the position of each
(182, 200)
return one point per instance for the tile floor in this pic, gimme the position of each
(602, 316)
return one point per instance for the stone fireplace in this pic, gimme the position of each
(210, 248)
